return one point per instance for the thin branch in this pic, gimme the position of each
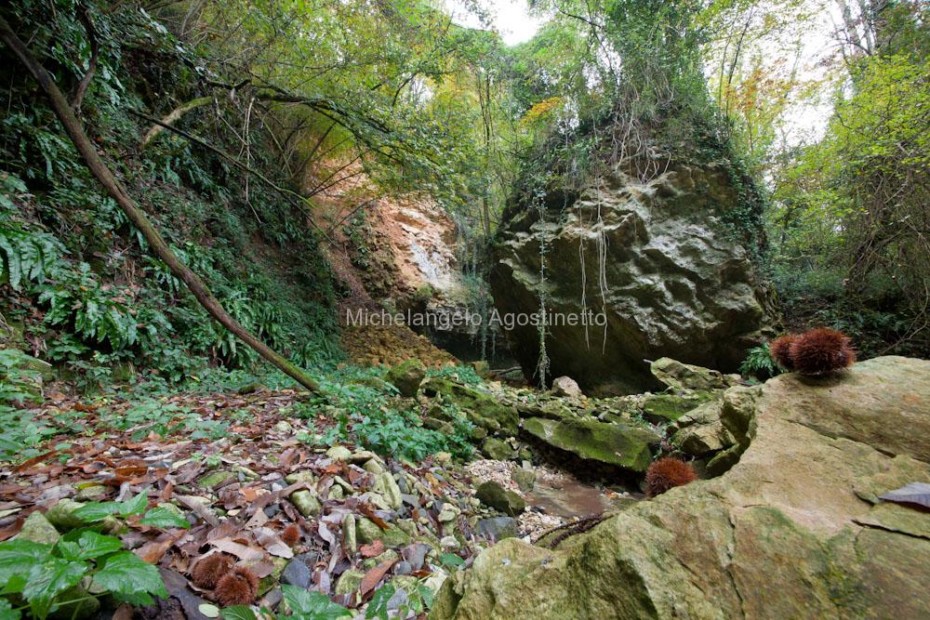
(300, 200)
(81, 90)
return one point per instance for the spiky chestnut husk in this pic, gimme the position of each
(291, 535)
(208, 570)
(666, 473)
(780, 348)
(822, 351)
(236, 588)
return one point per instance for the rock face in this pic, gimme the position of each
(673, 284)
(794, 530)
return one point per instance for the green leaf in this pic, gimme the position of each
(164, 517)
(130, 580)
(134, 506)
(307, 605)
(49, 579)
(238, 612)
(91, 512)
(451, 560)
(89, 545)
(17, 558)
(7, 612)
(378, 606)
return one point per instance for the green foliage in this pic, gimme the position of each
(149, 415)
(367, 413)
(46, 577)
(465, 375)
(306, 605)
(87, 289)
(848, 218)
(759, 364)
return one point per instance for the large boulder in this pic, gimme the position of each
(794, 530)
(672, 282)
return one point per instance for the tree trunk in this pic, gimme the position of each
(100, 170)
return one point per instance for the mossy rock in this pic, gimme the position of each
(481, 409)
(497, 497)
(663, 408)
(407, 377)
(497, 449)
(624, 445)
(368, 532)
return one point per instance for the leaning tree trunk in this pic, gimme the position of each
(100, 170)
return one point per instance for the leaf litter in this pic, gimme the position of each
(233, 489)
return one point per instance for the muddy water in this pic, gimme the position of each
(562, 495)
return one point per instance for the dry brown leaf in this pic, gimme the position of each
(153, 551)
(374, 576)
(243, 552)
(268, 539)
(370, 551)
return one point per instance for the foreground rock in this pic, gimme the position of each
(676, 284)
(793, 530)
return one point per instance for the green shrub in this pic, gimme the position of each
(759, 364)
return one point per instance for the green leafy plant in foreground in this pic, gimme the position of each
(81, 565)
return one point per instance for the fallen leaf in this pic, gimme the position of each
(268, 539)
(374, 576)
(153, 551)
(243, 552)
(370, 551)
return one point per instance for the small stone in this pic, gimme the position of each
(373, 467)
(498, 528)
(284, 427)
(449, 543)
(368, 532)
(387, 486)
(525, 478)
(61, 515)
(448, 513)
(362, 456)
(567, 387)
(296, 573)
(215, 479)
(93, 493)
(349, 582)
(348, 533)
(403, 568)
(494, 495)
(307, 504)
(339, 453)
(300, 476)
(337, 492)
(36, 528)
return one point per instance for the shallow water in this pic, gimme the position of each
(564, 496)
